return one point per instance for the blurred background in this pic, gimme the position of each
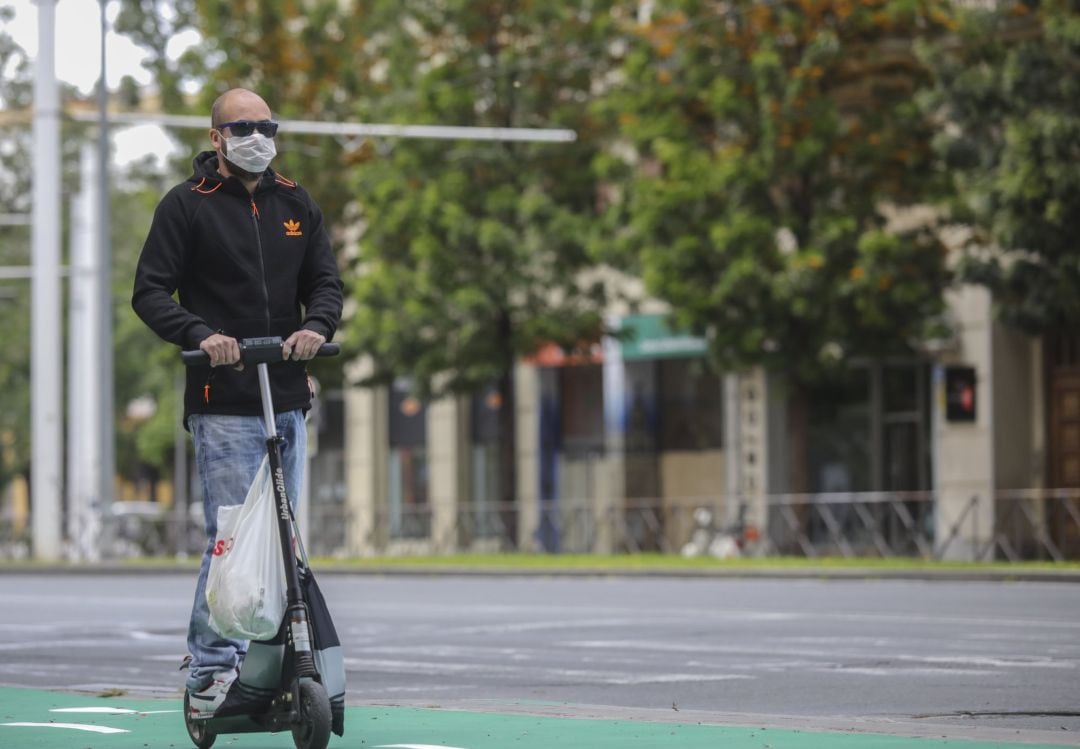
(789, 277)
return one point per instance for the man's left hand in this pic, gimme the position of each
(302, 345)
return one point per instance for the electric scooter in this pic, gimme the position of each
(279, 686)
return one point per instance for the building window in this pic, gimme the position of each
(838, 439)
(581, 391)
(868, 430)
(691, 410)
(485, 408)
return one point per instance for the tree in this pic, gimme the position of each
(15, 190)
(145, 366)
(771, 141)
(473, 254)
(1008, 86)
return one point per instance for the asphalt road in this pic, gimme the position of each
(947, 656)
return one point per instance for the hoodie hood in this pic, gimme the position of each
(204, 171)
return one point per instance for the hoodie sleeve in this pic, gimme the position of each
(158, 274)
(320, 288)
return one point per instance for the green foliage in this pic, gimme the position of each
(153, 24)
(1009, 88)
(133, 200)
(15, 194)
(771, 143)
(472, 252)
(144, 365)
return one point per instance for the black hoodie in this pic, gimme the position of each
(244, 265)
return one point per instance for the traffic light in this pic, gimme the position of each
(960, 393)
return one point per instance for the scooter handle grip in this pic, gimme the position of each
(198, 356)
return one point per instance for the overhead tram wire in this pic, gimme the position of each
(356, 129)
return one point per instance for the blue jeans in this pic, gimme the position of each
(228, 452)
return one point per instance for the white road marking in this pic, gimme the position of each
(586, 676)
(98, 710)
(902, 671)
(982, 660)
(70, 726)
(145, 636)
(671, 678)
(111, 711)
(415, 746)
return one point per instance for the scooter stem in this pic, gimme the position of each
(267, 403)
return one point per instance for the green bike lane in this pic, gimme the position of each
(35, 719)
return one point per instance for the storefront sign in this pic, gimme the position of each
(649, 337)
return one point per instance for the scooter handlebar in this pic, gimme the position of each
(255, 351)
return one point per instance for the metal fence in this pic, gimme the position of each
(1026, 525)
(1036, 524)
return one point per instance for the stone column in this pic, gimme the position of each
(963, 452)
(446, 449)
(752, 449)
(609, 500)
(366, 458)
(527, 440)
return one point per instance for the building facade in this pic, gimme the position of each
(946, 454)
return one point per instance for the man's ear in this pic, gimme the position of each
(215, 139)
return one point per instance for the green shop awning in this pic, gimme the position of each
(649, 337)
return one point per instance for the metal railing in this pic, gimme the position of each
(1036, 524)
(852, 524)
(1026, 525)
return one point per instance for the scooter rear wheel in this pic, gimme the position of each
(313, 730)
(200, 735)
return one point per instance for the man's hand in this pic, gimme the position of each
(222, 350)
(302, 345)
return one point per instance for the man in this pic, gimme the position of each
(247, 251)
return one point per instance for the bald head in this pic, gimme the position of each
(238, 104)
(234, 106)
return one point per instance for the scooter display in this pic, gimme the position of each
(279, 686)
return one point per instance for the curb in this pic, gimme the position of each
(779, 573)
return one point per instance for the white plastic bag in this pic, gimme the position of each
(245, 588)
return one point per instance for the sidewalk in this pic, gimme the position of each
(53, 720)
(625, 566)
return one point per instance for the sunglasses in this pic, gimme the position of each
(244, 128)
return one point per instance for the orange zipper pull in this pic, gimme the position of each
(206, 393)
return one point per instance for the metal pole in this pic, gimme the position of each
(106, 410)
(83, 439)
(45, 357)
(267, 400)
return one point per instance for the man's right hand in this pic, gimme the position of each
(221, 349)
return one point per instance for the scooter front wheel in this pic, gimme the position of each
(197, 730)
(313, 730)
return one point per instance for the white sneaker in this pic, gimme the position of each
(204, 703)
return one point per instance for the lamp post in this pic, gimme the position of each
(45, 358)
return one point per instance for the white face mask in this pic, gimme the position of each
(252, 153)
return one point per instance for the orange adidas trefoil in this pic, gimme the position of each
(292, 228)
